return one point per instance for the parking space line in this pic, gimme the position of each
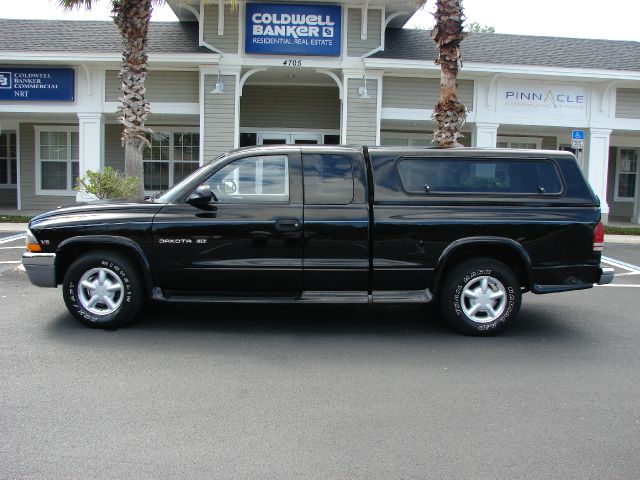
(618, 285)
(12, 238)
(9, 248)
(10, 261)
(620, 264)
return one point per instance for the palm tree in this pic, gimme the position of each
(449, 114)
(132, 18)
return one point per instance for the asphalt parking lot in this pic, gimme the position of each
(321, 392)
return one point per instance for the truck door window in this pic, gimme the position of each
(252, 180)
(328, 180)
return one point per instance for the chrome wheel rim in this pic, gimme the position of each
(100, 291)
(484, 299)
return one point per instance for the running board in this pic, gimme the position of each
(308, 296)
(402, 296)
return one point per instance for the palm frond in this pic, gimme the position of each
(76, 4)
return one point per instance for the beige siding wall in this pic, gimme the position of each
(357, 47)
(31, 201)
(219, 117)
(113, 149)
(628, 103)
(616, 209)
(8, 197)
(409, 92)
(228, 42)
(162, 86)
(267, 106)
(361, 113)
(549, 143)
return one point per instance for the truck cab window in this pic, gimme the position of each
(328, 180)
(251, 180)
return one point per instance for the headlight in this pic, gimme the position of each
(32, 243)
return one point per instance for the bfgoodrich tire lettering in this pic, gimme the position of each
(480, 297)
(103, 289)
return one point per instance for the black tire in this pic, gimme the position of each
(119, 273)
(468, 277)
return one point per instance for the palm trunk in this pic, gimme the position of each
(132, 17)
(449, 114)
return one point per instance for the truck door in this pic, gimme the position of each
(336, 223)
(249, 240)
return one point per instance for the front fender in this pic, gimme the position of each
(108, 241)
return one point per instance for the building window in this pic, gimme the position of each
(171, 156)
(57, 160)
(8, 163)
(626, 174)
(532, 143)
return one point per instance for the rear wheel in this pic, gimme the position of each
(103, 289)
(480, 297)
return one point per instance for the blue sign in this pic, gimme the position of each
(283, 29)
(577, 134)
(37, 84)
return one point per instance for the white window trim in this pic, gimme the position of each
(413, 138)
(509, 140)
(55, 128)
(10, 184)
(616, 197)
(170, 131)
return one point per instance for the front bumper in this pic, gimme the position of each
(41, 268)
(606, 276)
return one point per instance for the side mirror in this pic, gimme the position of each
(201, 196)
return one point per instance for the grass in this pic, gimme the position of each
(14, 219)
(622, 230)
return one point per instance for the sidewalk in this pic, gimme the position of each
(13, 227)
(628, 239)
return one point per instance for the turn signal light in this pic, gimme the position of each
(34, 247)
(598, 237)
(32, 242)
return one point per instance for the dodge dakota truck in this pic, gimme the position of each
(472, 229)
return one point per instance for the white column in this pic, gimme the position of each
(91, 129)
(485, 134)
(598, 162)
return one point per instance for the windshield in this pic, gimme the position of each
(173, 192)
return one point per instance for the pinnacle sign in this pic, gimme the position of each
(291, 29)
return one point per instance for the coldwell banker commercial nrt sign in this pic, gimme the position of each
(36, 84)
(290, 29)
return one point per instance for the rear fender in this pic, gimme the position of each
(481, 243)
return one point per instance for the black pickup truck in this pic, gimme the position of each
(472, 228)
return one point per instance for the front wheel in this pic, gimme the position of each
(103, 289)
(480, 297)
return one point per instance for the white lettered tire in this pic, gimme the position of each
(103, 289)
(480, 296)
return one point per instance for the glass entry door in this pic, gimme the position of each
(289, 138)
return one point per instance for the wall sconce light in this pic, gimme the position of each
(363, 92)
(219, 86)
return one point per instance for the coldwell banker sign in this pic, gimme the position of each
(542, 99)
(36, 84)
(284, 29)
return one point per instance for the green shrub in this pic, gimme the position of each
(109, 183)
